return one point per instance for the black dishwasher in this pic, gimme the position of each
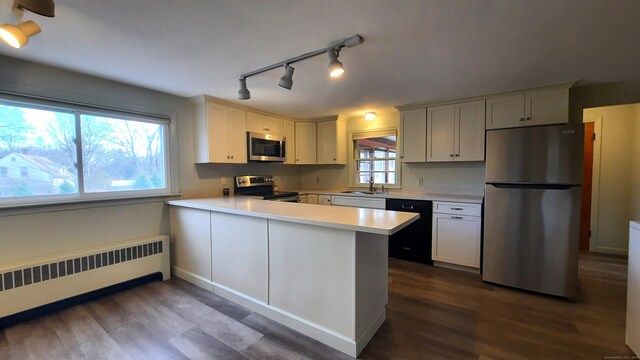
(414, 241)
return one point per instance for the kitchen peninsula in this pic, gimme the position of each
(319, 270)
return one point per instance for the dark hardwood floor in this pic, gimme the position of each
(433, 313)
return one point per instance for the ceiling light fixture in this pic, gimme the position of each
(369, 115)
(18, 35)
(286, 81)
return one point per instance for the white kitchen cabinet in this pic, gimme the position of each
(191, 243)
(220, 133)
(529, 108)
(357, 201)
(289, 132)
(455, 132)
(304, 199)
(413, 125)
(324, 199)
(633, 289)
(312, 198)
(332, 141)
(305, 138)
(456, 236)
(239, 254)
(264, 124)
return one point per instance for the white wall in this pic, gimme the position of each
(618, 190)
(635, 169)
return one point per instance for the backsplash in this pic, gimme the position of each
(445, 178)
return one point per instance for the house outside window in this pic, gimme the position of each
(49, 153)
(374, 157)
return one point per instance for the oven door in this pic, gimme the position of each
(265, 147)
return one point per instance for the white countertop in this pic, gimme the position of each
(635, 224)
(475, 199)
(364, 220)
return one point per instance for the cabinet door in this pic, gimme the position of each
(255, 122)
(440, 131)
(288, 132)
(547, 107)
(305, 143)
(239, 254)
(469, 131)
(413, 125)
(324, 200)
(191, 241)
(217, 120)
(236, 136)
(327, 144)
(456, 239)
(505, 111)
(312, 198)
(272, 125)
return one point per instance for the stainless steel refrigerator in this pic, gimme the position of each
(532, 208)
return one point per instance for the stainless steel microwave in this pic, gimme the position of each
(265, 147)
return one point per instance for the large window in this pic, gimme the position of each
(375, 157)
(50, 154)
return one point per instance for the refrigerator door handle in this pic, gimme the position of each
(533, 186)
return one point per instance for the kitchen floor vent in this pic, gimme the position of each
(43, 281)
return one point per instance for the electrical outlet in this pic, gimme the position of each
(224, 180)
(420, 181)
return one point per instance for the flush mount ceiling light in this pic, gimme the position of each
(18, 35)
(335, 66)
(369, 115)
(286, 81)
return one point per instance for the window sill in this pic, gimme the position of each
(78, 204)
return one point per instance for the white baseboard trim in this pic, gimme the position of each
(324, 335)
(456, 267)
(611, 250)
(196, 280)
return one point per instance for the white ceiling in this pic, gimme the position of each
(414, 51)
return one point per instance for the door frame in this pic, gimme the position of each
(595, 185)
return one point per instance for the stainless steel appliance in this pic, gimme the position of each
(532, 208)
(262, 185)
(265, 147)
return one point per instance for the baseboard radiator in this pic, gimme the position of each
(30, 284)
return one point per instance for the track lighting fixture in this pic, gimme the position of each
(286, 81)
(243, 93)
(335, 66)
(18, 35)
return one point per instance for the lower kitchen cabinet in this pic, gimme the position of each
(324, 199)
(457, 233)
(312, 198)
(239, 254)
(191, 242)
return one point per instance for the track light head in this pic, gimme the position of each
(18, 36)
(286, 81)
(335, 66)
(243, 92)
(41, 7)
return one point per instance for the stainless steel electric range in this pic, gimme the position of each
(262, 185)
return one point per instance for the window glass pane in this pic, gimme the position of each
(379, 178)
(392, 165)
(375, 145)
(379, 165)
(364, 177)
(37, 152)
(392, 177)
(121, 155)
(365, 165)
(380, 154)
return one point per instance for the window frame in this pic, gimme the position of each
(77, 110)
(352, 160)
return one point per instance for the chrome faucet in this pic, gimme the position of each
(371, 189)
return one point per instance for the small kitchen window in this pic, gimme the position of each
(375, 157)
(52, 153)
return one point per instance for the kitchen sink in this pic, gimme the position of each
(363, 192)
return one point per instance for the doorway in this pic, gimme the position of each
(612, 171)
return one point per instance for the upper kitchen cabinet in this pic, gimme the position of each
(332, 141)
(305, 140)
(264, 124)
(455, 132)
(529, 108)
(220, 133)
(289, 135)
(413, 125)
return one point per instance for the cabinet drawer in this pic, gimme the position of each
(457, 208)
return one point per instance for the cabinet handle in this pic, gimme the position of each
(457, 217)
(406, 248)
(334, 159)
(228, 157)
(232, 156)
(457, 155)
(450, 155)
(528, 118)
(522, 119)
(266, 129)
(297, 160)
(457, 209)
(401, 156)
